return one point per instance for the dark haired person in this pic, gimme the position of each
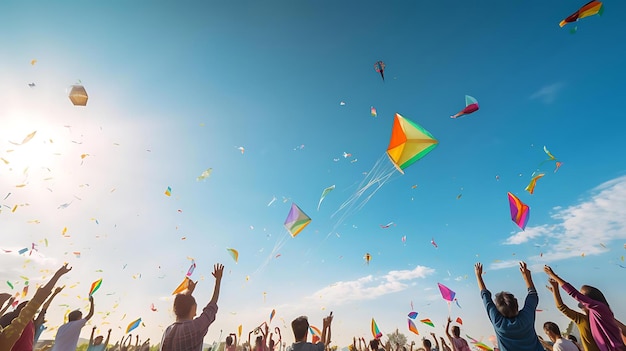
(67, 335)
(187, 333)
(559, 343)
(604, 329)
(515, 329)
(300, 328)
(457, 342)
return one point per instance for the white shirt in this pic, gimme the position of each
(67, 335)
(562, 344)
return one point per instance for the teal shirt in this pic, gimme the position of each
(517, 333)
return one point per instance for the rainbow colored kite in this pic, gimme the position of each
(168, 191)
(520, 212)
(134, 324)
(234, 254)
(479, 344)
(409, 142)
(471, 106)
(95, 286)
(427, 322)
(316, 334)
(531, 186)
(446, 293)
(412, 327)
(296, 220)
(412, 315)
(375, 331)
(373, 111)
(589, 9)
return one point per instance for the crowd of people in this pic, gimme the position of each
(514, 327)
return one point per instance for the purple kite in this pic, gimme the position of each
(446, 293)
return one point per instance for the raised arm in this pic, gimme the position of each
(93, 330)
(526, 275)
(553, 275)
(412, 344)
(326, 329)
(11, 334)
(41, 317)
(4, 297)
(218, 270)
(90, 314)
(571, 314)
(436, 342)
(450, 321)
(106, 342)
(478, 269)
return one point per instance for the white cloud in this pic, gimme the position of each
(548, 93)
(370, 287)
(587, 227)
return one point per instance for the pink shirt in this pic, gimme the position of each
(26, 340)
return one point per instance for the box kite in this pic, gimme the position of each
(78, 95)
(409, 143)
(296, 220)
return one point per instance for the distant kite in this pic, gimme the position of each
(296, 220)
(531, 186)
(78, 95)
(471, 106)
(134, 324)
(324, 193)
(412, 327)
(409, 142)
(589, 9)
(520, 212)
(234, 254)
(380, 68)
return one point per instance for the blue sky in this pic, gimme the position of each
(175, 89)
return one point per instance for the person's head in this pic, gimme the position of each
(258, 341)
(300, 328)
(506, 304)
(374, 344)
(74, 316)
(572, 338)
(98, 340)
(185, 306)
(594, 293)
(229, 340)
(427, 344)
(552, 330)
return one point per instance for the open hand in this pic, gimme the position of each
(218, 270)
(478, 269)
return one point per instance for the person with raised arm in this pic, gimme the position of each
(604, 329)
(187, 333)
(457, 342)
(41, 317)
(68, 334)
(300, 328)
(96, 344)
(580, 319)
(10, 334)
(230, 345)
(515, 329)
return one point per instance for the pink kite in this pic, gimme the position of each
(446, 293)
(520, 212)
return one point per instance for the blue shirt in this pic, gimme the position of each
(517, 333)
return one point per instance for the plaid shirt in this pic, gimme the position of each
(188, 335)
